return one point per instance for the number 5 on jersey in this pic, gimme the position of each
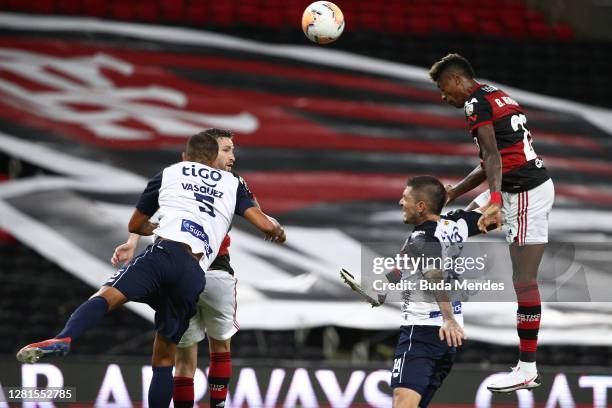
(208, 202)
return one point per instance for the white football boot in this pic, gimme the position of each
(522, 377)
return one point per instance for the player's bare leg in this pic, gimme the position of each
(220, 370)
(186, 361)
(162, 361)
(86, 316)
(186, 365)
(113, 297)
(405, 398)
(525, 264)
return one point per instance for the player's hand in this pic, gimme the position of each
(450, 194)
(123, 254)
(452, 332)
(279, 236)
(491, 215)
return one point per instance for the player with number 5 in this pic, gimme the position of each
(521, 194)
(196, 204)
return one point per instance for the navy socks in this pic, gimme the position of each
(85, 317)
(161, 388)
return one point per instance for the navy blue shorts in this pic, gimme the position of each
(167, 278)
(422, 361)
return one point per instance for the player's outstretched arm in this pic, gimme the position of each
(266, 224)
(140, 224)
(450, 330)
(125, 252)
(470, 182)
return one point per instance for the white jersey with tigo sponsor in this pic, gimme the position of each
(195, 204)
(429, 241)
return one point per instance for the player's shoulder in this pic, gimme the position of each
(239, 178)
(242, 182)
(479, 99)
(481, 93)
(422, 240)
(425, 232)
(455, 215)
(466, 221)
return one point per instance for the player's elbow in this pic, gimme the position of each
(133, 228)
(135, 225)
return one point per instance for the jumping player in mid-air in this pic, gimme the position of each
(197, 203)
(216, 314)
(520, 191)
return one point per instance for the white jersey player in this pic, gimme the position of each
(430, 330)
(197, 204)
(433, 242)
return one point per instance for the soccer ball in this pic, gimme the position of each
(323, 22)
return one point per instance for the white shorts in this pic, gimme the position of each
(216, 314)
(525, 214)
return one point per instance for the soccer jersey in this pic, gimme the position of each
(430, 241)
(522, 168)
(222, 261)
(196, 205)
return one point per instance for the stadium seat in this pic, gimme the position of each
(472, 17)
(95, 8)
(122, 11)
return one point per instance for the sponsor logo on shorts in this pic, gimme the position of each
(197, 231)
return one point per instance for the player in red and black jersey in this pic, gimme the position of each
(520, 192)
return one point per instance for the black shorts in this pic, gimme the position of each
(422, 361)
(169, 279)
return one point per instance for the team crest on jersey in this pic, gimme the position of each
(469, 107)
(539, 163)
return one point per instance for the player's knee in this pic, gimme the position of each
(113, 297)
(164, 351)
(405, 398)
(162, 360)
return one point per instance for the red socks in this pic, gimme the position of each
(219, 376)
(528, 317)
(183, 392)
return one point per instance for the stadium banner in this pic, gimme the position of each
(326, 141)
(107, 384)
